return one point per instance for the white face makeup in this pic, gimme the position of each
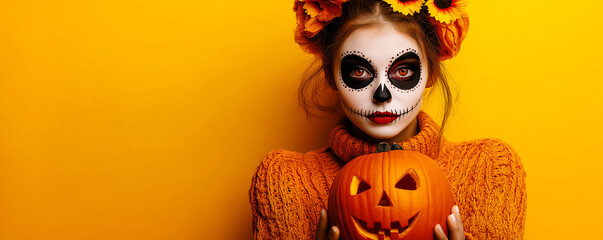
(380, 75)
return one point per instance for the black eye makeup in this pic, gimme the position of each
(356, 71)
(405, 71)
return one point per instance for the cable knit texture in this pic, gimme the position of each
(486, 176)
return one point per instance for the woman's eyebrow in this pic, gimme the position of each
(408, 55)
(355, 57)
(357, 60)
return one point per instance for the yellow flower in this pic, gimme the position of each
(446, 11)
(406, 7)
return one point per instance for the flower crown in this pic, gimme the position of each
(448, 16)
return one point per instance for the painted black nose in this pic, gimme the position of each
(382, 94)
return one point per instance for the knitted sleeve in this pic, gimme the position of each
(279, 203)
(491, 190)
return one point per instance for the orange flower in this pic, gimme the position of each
(312, 17)
(306, 29)
(446, 11)
(323, 10)
(406, 7)
(451, 36)
(307, 23)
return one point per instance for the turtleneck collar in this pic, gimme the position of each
(348, 147)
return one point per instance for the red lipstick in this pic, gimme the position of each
(383, 117)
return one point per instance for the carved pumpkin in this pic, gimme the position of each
(397, 194)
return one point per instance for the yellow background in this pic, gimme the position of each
(138, 119)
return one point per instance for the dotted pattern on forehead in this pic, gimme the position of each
(360, 54)
(391, 61)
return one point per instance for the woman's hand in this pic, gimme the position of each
(455, 226)
(323, 232)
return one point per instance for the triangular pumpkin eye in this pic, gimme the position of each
(363, 186)
(407, 182)
(358, 186)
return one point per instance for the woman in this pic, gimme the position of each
(380, 57)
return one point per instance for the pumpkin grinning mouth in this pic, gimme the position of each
(396, 231)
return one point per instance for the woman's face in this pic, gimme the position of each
(380, 74)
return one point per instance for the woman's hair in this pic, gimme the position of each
(317, 90)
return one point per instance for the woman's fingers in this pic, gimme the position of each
(439, 233)
(334, 233)
(321, 232)
(457, 214)
(455, 226)
(323, 227)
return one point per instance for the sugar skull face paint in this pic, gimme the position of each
(380, 77)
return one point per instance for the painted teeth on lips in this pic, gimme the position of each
(383, 117)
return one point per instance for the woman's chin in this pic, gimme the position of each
(384, 133)
(380, 131)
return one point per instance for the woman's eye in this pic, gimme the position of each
(402, 74)
(405, 72)
(360, 73)
(356, 72)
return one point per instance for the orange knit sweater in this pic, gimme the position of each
(486, 176)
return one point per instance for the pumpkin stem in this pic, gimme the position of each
(395, 146)
(385, 147)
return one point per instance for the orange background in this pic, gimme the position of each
(146, 119)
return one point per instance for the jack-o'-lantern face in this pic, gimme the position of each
(390, 195)
(380, 202)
